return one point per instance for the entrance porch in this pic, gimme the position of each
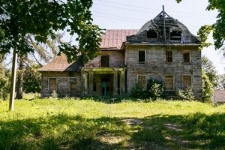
(103, 81)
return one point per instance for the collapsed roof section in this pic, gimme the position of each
(163, 29)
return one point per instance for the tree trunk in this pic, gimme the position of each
(19, 87)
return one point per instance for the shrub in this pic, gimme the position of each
(138, 92)
(54, 94)
(186, 94)
(155, 89)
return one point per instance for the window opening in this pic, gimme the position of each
(142, 80)
(141, 56)
(169, 57)
(151, 34)
(52, 84)
(169, 82)
(105, 61)
(186, 56)
(186, 81)
(175, 35)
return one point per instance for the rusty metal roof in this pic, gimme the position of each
(60, 63)
(114, 38)
(219, 96)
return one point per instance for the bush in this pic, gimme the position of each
(138, 92)
(186, 94)
(155, 89)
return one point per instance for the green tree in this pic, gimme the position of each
(207, 87)
(32, 79)
(218, 28)
(4, 79)
(210, 71)
(43, 53)
(41, 19)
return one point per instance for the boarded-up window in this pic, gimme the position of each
(169, 56)
(141, 56)
(52, 84)
(105, 61)
(186, 56)
(169, 82)
(186, 81)
(73, 83)
(142, 80)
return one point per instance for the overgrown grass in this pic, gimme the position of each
(41, 124)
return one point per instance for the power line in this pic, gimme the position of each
(198, 16)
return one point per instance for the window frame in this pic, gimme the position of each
(189, 56)
(144, 85)
(106, 56)
(49, 78)
(168, 56)
(183, 84)
(141, 62)
(168, 75)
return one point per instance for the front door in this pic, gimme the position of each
(105, 84)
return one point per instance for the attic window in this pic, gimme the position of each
(175, 35)
(151, 34)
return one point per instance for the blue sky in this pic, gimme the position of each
(132, 14)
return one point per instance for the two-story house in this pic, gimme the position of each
(163, 49)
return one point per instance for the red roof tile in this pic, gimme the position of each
(114, 38)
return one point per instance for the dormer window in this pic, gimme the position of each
(151, 34)
(175, 35)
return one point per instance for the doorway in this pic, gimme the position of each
(105, 85)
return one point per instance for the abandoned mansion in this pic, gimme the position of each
(162, 49)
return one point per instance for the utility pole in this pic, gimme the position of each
(13, 81)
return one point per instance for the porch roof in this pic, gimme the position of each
(60, 63)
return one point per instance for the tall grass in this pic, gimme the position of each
(87, 124)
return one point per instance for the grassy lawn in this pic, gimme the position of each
(86, 124)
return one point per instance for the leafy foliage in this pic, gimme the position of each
(217, 28)
(4, 80)
(155, 89)
(32, 80)
(40, 19)
(207, 87)
(186, 94)
(203, 33)
(210, 71)
(138, 92)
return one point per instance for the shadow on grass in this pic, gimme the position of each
(195, 131)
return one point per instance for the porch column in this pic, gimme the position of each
(122, 84)
(115, 83)
(84, 89)
(90, 83)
